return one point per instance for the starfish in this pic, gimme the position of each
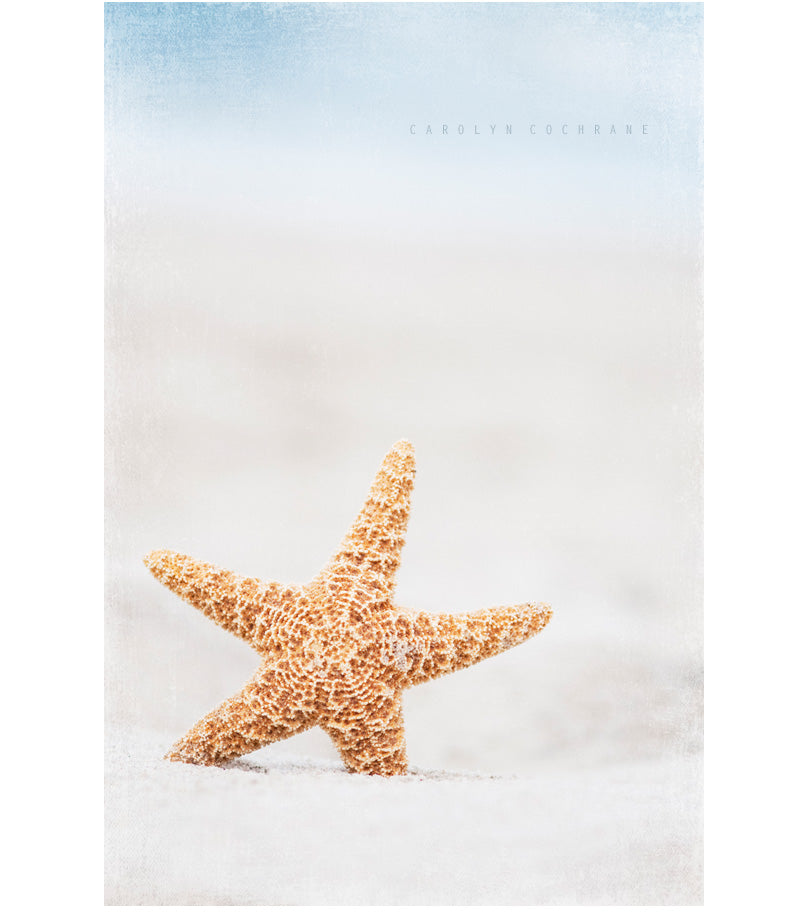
(336, 652)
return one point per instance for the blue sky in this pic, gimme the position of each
(281, 99)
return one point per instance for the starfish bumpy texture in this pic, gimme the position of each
(336, 652)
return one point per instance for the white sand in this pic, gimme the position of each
(553, 399)
(301, 831)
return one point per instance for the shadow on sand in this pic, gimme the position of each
(303, 766)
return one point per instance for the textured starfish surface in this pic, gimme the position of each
(336, 652)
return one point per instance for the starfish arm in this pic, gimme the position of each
(374, 744)
(265, 710)
(437, 644)
(373, 544)
(242, 605)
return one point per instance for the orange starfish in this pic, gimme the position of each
(336, 652)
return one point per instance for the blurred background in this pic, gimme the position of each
(295, 281)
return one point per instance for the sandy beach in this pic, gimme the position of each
(555, 462)
(301, 831)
